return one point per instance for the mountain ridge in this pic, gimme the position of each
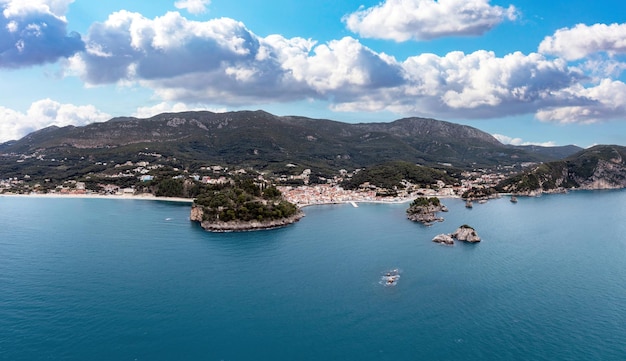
(598, 167)
(264, 141)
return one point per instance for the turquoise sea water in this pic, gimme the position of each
(92, 279)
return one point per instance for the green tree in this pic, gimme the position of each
(170, 188)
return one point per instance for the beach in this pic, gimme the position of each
(301, 196)
(145, 197)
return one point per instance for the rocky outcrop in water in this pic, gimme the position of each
(464, 233)
(444, 239)
(424, 210)
(197, 215)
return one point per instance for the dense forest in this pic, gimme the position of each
(392, 175)
(243, 200)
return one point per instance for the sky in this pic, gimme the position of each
(526, 71)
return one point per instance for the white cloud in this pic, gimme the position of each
(35, 32)
(601, 68)
(402, 20)
(165, 107)
(583, 40)
(193, 6)
(222, 62)
(476, 85)
(519, 141)
(20, 8)
(43, 113)
(342, 64)
(129, 46)
(605, 101)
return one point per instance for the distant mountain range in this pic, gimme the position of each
(268, 142)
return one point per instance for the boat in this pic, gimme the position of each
(513, 199)
(391, 277)
(469, 204)
(390, 280)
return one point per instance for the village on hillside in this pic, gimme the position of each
(297, 189)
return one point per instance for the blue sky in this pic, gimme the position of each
(527, 71)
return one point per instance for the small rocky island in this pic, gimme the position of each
(243, 205)
(464, 233)
(424, 210)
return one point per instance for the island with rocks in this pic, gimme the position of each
(464, 233)
(424, 210)
(243, 205)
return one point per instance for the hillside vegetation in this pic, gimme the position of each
(243, 201)
(396, 175)
(599, 167)
(257, 140)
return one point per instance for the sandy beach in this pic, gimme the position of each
(145, 197)
(313, 201)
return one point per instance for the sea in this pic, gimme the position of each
(116, 279)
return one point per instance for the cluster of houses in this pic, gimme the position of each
(145, 172)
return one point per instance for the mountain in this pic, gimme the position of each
(599, 167)
(551, 152)
(257, 139)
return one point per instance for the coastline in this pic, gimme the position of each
(150, 197)
(376, 201)
(100, 196)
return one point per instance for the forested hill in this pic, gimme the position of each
(599, 167)
(265, 141)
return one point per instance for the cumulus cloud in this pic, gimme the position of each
(43, 113)
(166, 107)
(193, 6)
(12, 8)
(129, 46)
(583, 40)
(519, 141)
(403, 20)
(605, 101)
(221, 62)
(476, 85)
(35, 32)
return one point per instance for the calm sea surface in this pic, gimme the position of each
(93, 279)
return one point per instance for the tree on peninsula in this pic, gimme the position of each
(243, 200)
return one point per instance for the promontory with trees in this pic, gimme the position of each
(243, 205)
(424, 210)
